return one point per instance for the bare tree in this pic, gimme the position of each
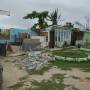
(84, 26)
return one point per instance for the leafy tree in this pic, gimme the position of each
(41, 19)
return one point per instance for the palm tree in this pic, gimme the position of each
(54, 17)
(41, 19)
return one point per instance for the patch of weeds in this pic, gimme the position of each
(40, 72)
(75, 77)
(88, 78)
(6, 61)
(17, 86)
(85, 66)
(71, 88)
(86, 70)
(23, 78)
(50, 84)
(70, 53)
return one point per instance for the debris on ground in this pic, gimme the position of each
(35, 60)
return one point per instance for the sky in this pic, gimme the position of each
(71, 11)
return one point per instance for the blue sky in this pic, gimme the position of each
(71, 10)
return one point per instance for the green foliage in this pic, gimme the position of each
(41, 16)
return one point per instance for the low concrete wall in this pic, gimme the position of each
(72, 59)
(85, 49)
(42, 39)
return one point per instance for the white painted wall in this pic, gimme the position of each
(65, 35)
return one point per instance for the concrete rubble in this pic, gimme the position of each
(35, 60)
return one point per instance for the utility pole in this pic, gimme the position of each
(4, 13)
(87, 18)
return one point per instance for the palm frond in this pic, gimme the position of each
(54, 17)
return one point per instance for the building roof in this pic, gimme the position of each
(56, 27)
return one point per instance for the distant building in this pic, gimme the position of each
(86, 37)
(80, 36)
(77, 36)
(17, 34)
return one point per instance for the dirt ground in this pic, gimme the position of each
(12, 74)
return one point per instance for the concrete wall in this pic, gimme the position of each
(42, 40)
(29, 44)
(86, 37)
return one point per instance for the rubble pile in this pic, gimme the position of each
(35, 60)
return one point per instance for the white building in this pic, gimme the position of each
(62, 35)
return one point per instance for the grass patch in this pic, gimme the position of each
(70, 53)
(40, 72)
(73, 53)
(56, 83)
(88, 78)
(87, 47)
(50, 84)
(85, 66)
(75, 77)
(23, 78)
(17, 86)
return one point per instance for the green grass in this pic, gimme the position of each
(87, 47)
(17, 86)
(41, 71)
(23, 78)
(69, 65)
(56, 83)
(73, 53)
(50, 84)
(70, 53)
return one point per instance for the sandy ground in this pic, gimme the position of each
(81, 81)
(12, 74)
